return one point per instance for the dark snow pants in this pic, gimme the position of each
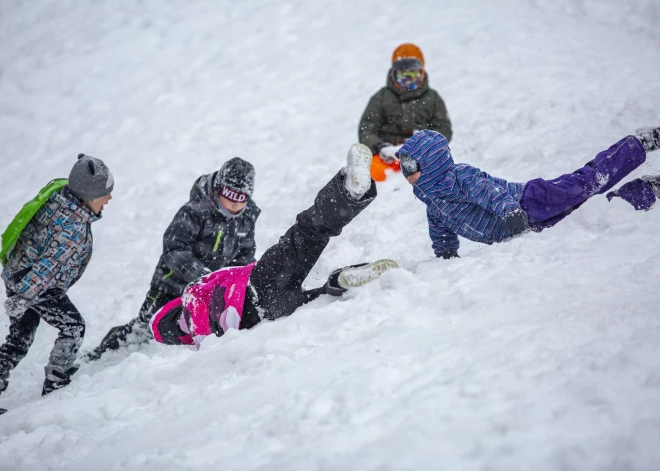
(547, 202)
(276, 281)
(56, 309)
(136, 331)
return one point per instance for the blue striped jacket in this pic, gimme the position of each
(460, 199)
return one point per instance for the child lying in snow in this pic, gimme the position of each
(239, 297)
(463, 200)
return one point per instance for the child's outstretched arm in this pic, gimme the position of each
(445, 242)
(488, 192)
(178, 243)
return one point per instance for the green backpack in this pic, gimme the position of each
(25, 215)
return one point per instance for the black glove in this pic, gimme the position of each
(516, 222)
(447, 255)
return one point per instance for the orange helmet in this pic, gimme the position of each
(406, 51)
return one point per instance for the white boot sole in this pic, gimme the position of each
(358, 276)
(358, 169)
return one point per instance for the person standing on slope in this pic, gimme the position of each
(406, 104)
(464, 201)
(215, 229)
(49, 257)
(240, 297)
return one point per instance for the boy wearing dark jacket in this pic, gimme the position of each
(241, 297)
(49, 257)
(463, 200)
(215, 229)
(405, 105)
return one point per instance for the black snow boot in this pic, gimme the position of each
(356, 275)
(57, 379)
(132, 333)
(2, 411)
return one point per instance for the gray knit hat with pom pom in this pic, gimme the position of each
(90, 178)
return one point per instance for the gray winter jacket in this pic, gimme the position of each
(53, 250)
(203, 237)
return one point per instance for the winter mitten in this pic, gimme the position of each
(448, 255)
(16, 306)
(516, 222)
(650, 138)
(638, 192)
(654, 181)
(388, 153)
(409, 165)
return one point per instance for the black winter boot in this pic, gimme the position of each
(134, 332)
(57, 379)
(2, 411)
(356, 275)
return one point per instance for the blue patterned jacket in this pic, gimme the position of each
(53, 250)
(460, 199)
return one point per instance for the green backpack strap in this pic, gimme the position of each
(25, 215)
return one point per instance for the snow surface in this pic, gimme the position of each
(542, 353)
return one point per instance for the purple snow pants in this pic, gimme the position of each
(547, 202)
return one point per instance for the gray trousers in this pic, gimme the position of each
(56, 309)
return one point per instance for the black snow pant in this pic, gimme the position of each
(137, 330)
(275, 288)
(56, 309)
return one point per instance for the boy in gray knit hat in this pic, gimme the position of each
(51, 255)
(90, 179)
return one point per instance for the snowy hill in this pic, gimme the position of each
(542, 353)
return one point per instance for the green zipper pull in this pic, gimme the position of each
(217, 242)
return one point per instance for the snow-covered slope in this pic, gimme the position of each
(542, 353)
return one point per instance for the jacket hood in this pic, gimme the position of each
(431, 150)
(201, 189)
